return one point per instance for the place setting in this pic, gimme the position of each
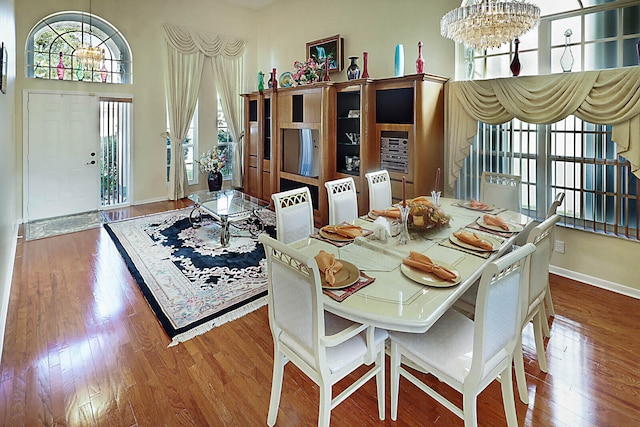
(473, 242)
(495, 225)
(478, 206)
(340, 278)
(422, 269)
(341, 234)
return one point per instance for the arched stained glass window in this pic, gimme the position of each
(53, 43)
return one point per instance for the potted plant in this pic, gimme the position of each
(211, 162)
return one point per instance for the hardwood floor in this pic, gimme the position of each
(83, 348)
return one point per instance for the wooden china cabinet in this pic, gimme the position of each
(331, 130)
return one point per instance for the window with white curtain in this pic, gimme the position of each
(571, 156)
(190, 147)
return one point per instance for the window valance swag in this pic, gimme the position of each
(187, 41)
(609, 97)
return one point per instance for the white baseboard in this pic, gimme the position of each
(594, 281)
(6, 286)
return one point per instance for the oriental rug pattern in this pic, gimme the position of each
(190, 281)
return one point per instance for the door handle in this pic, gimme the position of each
(92, 162)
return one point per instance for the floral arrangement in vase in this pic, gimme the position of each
(211, 161)
(307, 72)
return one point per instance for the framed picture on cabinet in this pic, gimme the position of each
(3, 68)
(331, 47)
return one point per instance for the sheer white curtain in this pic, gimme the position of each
(610, 97)
(227, 74)
(186, 52)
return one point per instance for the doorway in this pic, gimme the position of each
(77, 154)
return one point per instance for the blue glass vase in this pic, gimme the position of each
(399, 60)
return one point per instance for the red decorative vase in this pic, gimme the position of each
(515, 64)
(365, 70)
(419, 61)
(60, 68)
(326, 69)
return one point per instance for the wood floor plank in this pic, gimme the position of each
(82, 347)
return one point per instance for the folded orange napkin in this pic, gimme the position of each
(389, 213)
(476, 204)
(344, 230)
(420, 200)
(495, 221)
(424, 263)
(328, 266)
(473, 239)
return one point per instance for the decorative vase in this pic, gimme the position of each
(365, 70)
(353, 72)
(515, 64)
(103, 73)
(326, 69)
(419, 61)
(270, 82)
(60, 68)
(399, 60)
(566, 60)
(214, 180)
(80, 73)
(638, 48)
(260, 81)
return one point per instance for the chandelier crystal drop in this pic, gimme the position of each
(489, 23)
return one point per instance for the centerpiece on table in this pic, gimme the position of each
(211, 162)
(307, 72)
(424, 214)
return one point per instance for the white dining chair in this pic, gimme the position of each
(379, 190)
(324, 346)
(343, 200)
(501, 190)
(551, 311)
(294, 214)
(469, 354)
(537, 275)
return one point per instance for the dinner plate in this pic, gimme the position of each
(334, 236)
(513, 228)
(430, 279)
(494, 243)
(286, 79)
(488, 208)
(347, 276)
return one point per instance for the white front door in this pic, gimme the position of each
(62, 159)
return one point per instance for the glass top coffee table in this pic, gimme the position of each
(228, 206)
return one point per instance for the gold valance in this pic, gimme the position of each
(610, 97)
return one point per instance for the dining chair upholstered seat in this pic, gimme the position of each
(379, 190)
(343, 200)
(294, 214)
(469, 354)
(501, 190)
(324, 346)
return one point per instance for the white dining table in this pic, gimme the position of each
(394, 301)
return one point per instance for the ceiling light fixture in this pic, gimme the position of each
(487, 24)
(89, 56)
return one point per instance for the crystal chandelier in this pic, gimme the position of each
(89, 56)
(489, 23)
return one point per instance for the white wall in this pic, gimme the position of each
(8, 170)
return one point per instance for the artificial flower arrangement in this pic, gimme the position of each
(307, 72)
(211, 161)
(425, 214)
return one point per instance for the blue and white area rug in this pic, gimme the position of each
(190, 281)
